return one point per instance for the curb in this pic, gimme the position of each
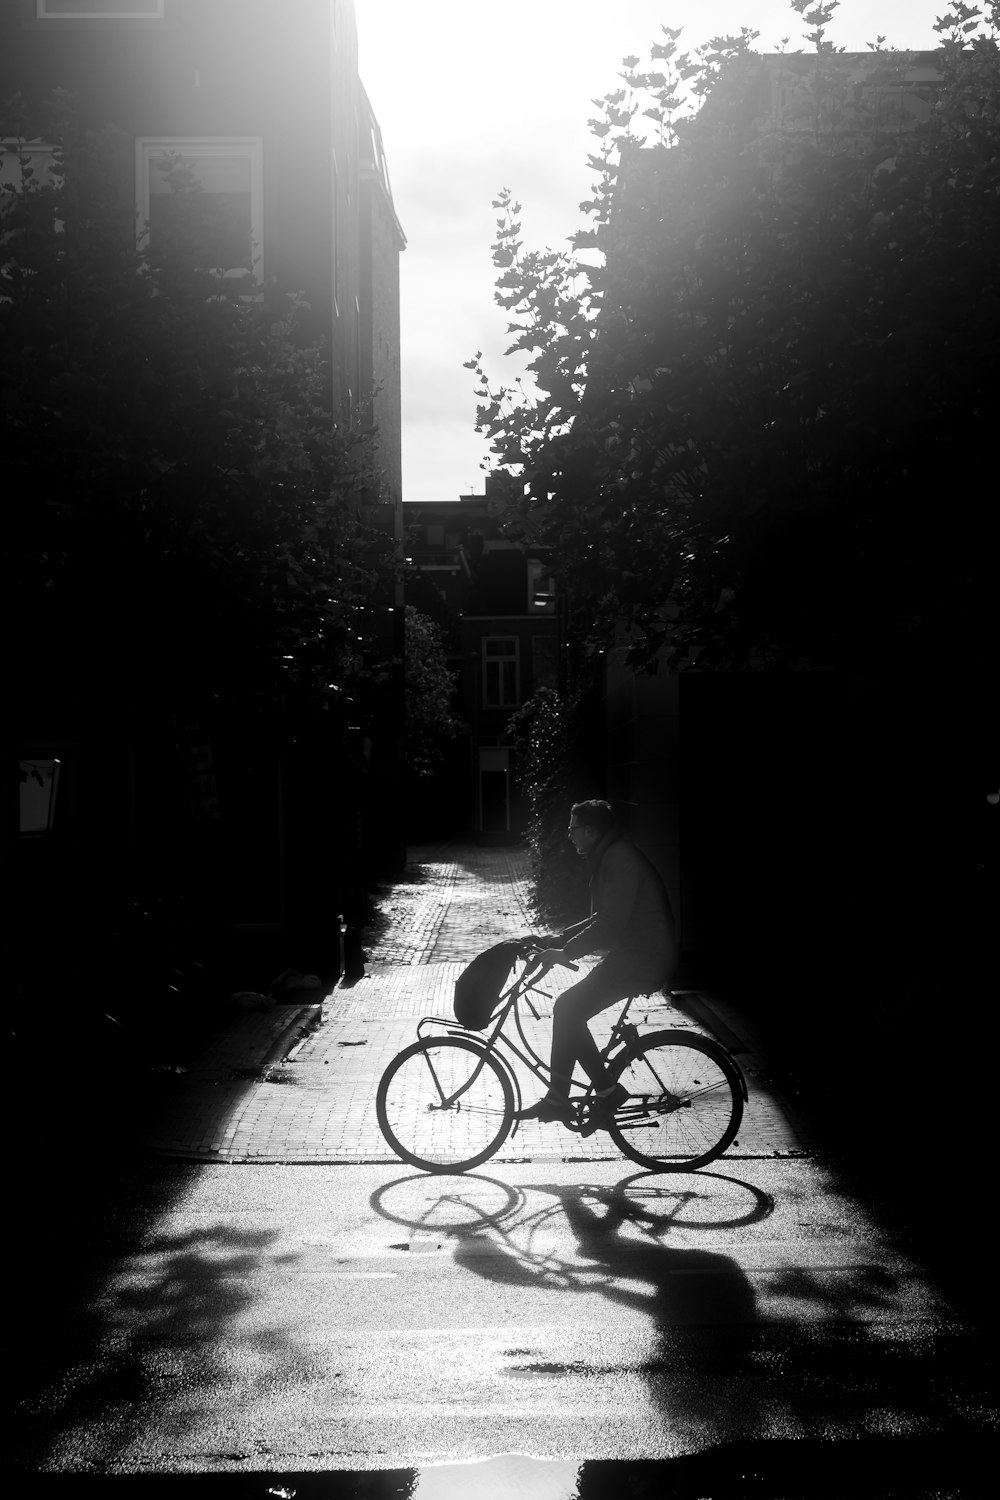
(303, 1023)
(235, 1066)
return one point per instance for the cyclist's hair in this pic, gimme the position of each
(594, 814)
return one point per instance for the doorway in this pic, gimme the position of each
(494, 793)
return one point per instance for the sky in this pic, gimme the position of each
(473, 97)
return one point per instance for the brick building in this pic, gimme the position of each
(499, 609)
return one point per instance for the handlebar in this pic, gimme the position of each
(532, 953)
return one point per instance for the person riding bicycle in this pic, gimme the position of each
(632, 924)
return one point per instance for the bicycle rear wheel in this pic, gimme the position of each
(445, 1104)
(686, 1104)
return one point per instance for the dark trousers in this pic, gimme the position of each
(617, 975)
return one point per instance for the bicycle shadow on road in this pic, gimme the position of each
(781, 1338)
(674, 1287)
(456, 1206)
(688, 1318)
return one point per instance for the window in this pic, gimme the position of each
(205, 195)
(99, 10)
(501, 684)
(18, 157)
(541, 589)
(544, 661)
(39, 788)
(27, 163)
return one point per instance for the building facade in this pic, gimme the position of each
(266, 103)
(262, 104)
(497, 604)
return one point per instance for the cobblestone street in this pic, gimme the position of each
(449, 904)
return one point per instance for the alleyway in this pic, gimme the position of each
(277, 1295)
(450, 903)
(285, 1086)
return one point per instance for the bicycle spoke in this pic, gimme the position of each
(686, 1102)
(445, 1104)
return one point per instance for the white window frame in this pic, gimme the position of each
(499, 659)
(193, 148)
(55, 10)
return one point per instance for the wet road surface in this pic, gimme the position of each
(242, 1320)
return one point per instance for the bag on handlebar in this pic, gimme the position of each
(479, 987)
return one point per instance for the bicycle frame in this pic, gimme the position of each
(662, 1072)
(622, 1032)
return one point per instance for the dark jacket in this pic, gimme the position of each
(629, 906)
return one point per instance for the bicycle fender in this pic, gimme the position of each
(447, 1024)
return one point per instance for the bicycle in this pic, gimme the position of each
(448, 1103)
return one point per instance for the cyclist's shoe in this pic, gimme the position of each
(547, 1110)
(601, 1113)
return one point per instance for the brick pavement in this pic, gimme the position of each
(451, 902)
(300, 1086)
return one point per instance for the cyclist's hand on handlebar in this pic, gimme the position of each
(547, 958)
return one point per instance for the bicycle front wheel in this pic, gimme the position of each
(445, 1104)
(686, 1102)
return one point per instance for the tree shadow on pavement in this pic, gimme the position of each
(135, 1334)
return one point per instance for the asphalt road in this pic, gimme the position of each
(545, 1328)
(287, 1320)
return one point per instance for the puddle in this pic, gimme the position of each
(919, 1468)
(509, 1476)
(578, 1367)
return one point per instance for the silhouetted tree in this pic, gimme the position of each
(756, 429)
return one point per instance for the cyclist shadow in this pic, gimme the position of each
(688, 1287)
(689, 1326)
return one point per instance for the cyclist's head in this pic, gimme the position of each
(589, 822)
